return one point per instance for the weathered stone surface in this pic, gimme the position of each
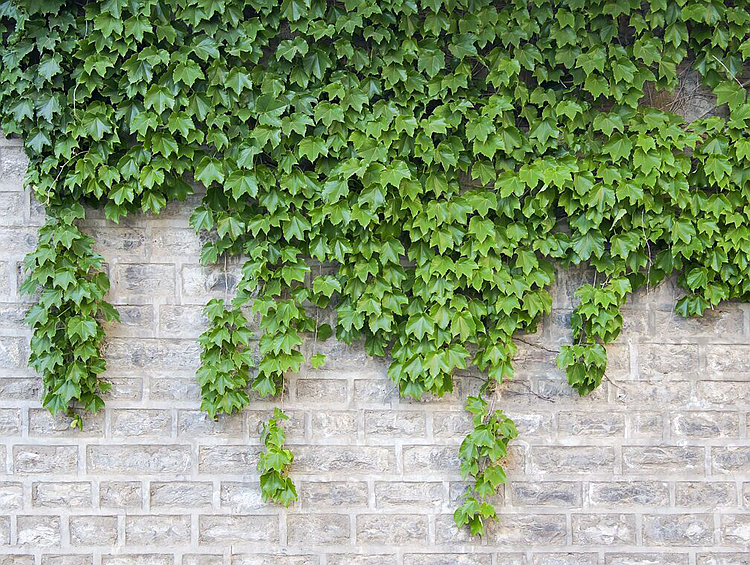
(572, 459)
(157, 531)
(61, 495)
(334, 494)
(319, 529)
(425, 495)
(222, 530)
(11, 496)
(563, 494)
(57, 459)
(181, 494)
(695, 530)
(131, 423)
(147, 459)
(344, 459)
(120, 494)
(395, 423)
(603, 529)
(735, 530)
(528, 530)
(389, 529)
(39, 531)
(629, 493)
(709, 494)
(93, 530)
(663, 460)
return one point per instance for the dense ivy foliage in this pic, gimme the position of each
(415, 166)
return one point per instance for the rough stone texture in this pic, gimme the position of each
(651, 469)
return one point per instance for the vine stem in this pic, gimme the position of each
(730, 73)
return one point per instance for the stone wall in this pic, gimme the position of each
(653, 468)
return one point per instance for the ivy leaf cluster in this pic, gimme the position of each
(66, 346)
(482, 451)
(226, 360)
(417, 168)
(275, 484)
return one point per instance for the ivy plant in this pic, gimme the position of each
(66, 347)
(415, 168)
(226, 359)
(275, 484)
(482, 451)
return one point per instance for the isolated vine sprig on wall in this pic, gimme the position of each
(437, 157)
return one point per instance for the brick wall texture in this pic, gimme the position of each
(653, 468)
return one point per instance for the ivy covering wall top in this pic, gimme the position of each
(415, 165)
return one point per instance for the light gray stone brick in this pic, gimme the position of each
(663, 460)
(280, 559)
(39, 531)
(695, 530)
(16, 559)
(713, 424)
(242, 498)
(186, 321)
(603, 529)
(20, 388)
(93, 530)
(230, 459)
(39, 459)
(424, 495)
(158, 531)
(4, 530)
(223, 530)
(565, 559)
(708, 494)
(333, 494)
(141, 282)
(572, 459)
(67, 559)
(391, 529)
(629, 493)
(139, 559)
(528, 530)
(353, 559)
(120, 494)
(318, 529)
(662, 361)
(61, 494)
(314, 459)
(11, 496)
(447, 559)
(733, 460)
(646, 558)
(727, 359)
(735, 530)
(44, 424)
(564, 494)
(132, 423)
(335, 424)
(321, 390)
(176, 494)
(198, 559)
(724, 558)
(148, 459)
(431, 458)
(395, 423)
(592, 424)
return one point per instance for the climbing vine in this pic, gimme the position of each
(415, 167)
